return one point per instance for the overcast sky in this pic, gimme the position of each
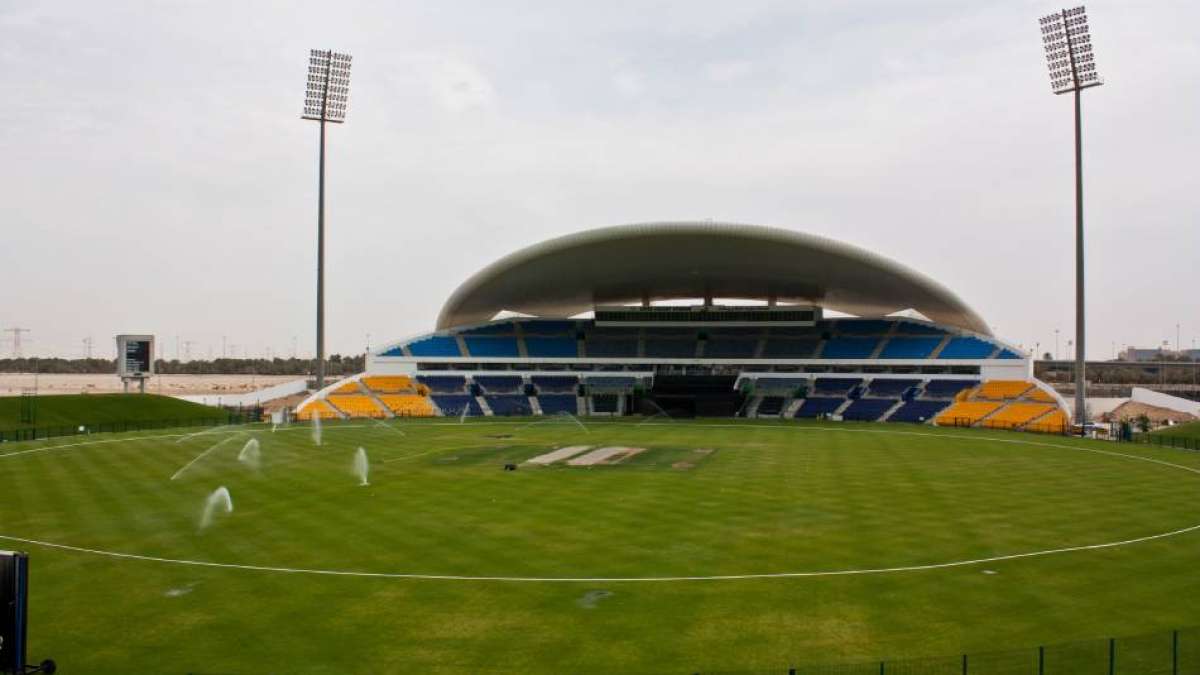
(157, 178)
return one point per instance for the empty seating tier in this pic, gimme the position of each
(770, 405)
(453, 405)
(553, 347)
(789, 348)
(350, 387)
(918, 411)
(947, 388)
(966, 413)
(318, 408)
(407, 405)
(1036, 394)
(815, 406)
(389, 384)
(967, 348)
(888, 388)
(863, 326)
(849, 348)
(730, 348)
(498, 384)
(909, 347)
(509, 404)
(548, 327)
(836, 385)
(444, 384)
(555, 383)
(356, 405)
(604, 347)
(437, 345)
(1002, 390)
(556, 404)
(670, 349)
(1016, 415)
(782, 384)
(867, 409)
(491, 346)
(1054, 423)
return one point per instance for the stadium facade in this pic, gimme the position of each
(661, 337)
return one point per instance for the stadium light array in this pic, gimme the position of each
(325, 99)
(1068, 44)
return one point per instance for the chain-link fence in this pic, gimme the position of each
(1175, 652)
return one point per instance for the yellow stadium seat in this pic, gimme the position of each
(1039, 395)
(356, 405)
(407, 405)
(1054, 423)
(1002, 390)
(348, 387)
(389, 384)
(965, 413)
(1015, 415)
(318, 408)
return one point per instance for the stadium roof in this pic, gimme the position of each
(569, 275)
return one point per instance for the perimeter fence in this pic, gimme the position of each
(1168, 441)
(35, 433)
(1175, 652)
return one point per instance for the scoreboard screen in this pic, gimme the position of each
(14, 582)
(135, 355)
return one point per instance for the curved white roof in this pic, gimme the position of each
(568, 275)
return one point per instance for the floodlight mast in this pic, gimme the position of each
(1072, 68)
(322, 74)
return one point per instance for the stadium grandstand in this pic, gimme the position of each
(702, 319)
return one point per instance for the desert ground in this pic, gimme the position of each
(12, 384)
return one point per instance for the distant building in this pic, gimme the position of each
(1159, 354)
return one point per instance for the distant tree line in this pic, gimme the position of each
(335, 365)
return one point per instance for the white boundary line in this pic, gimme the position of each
(200, 456)
(716, 577)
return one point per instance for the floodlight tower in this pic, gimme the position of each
(1072, 64)
(324, 101)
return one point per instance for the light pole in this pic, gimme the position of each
(1072, 69)
(324, 101)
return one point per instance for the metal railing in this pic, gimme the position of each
(1175, 652)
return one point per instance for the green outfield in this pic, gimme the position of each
(723, 545)
(97, 409)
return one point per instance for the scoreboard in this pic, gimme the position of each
(135, 356)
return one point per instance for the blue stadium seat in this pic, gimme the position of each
(610, 348)
(838, 386)
(611, 382)
(444, 384)
(763, 384)
(849, 348)
(867, 409)
(967, 348)
(909, 347)
(508, 405)
(452, 405)
(1008, 354)
(815, 406)
(491, 346)
(918, 411)
(889, 388)
(783, 348)
(553, 404)
(437, 345)
(730, 348)
(670, 349)
(551, 346)
(770, 405)
(947, 388)
(555, 383)
(499, 383)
